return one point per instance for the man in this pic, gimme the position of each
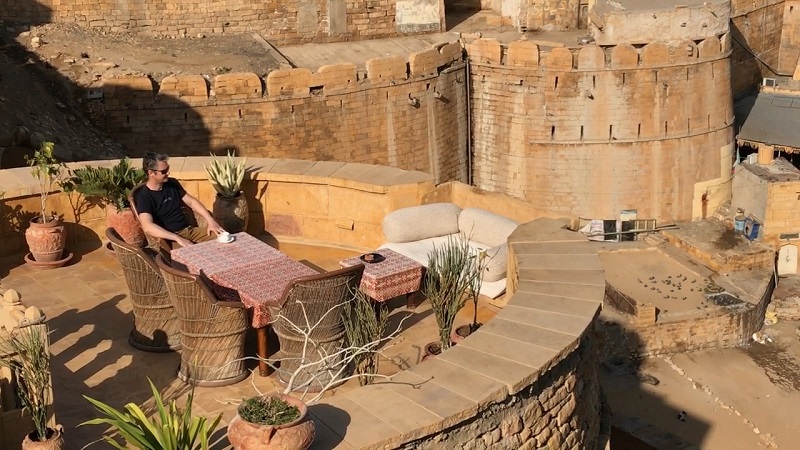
(159, 205)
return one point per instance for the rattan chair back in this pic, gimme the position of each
(315, 305)
(155, 325)
(213, 330)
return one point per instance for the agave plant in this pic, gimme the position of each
(173, 429)
(226, 175)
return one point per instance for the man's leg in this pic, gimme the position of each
(197, 234)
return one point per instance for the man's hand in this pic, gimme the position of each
(215, 227)
(183, 242)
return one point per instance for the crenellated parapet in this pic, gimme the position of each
(280, 84)
(653, 55)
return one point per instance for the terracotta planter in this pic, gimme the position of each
(46, 241)
(296, 435)
(231, 213)
(55, 440)
(126, 225)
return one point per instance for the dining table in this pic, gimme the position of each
(245, 269)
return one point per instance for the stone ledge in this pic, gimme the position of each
(533, 333)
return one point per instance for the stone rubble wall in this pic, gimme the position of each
(407, 113)
(282, 22)
(593, 130)
(757, 28)
(560, 410)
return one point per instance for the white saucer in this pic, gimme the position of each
(230, 239)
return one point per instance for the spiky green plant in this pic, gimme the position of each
(364, 325)
(47, 169)
(173, 429)
(28, 358)
(111, 185)
(226, 175)
(449, 280)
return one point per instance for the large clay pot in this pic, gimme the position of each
(46, 240)
(55, 440)
(126, 225)
(296, 435)
(231, 213)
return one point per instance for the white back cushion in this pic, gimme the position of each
(421, 222)
(485, 227)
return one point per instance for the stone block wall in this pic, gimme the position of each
(782, 211)
(549, 15)
(790, 37)
(756, 27)
(410, 114)
(593, 130)
(280, 21)
(558, 411)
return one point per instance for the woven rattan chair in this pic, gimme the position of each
(155, 325)
(305, 301)
(213, 330)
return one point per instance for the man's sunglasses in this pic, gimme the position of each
(163, 172)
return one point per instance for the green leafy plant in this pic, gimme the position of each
(48, 170)
(26, 354)
(268, 410)
(364, 326)
(173, 429)
(449, 282)
(111, 185)
(226, 175)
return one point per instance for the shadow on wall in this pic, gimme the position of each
(630, 389)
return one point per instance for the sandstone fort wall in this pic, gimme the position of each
(281, 21)
(401, 113)
(592, 130)
(756, 27)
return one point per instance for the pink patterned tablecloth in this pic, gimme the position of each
(396, 275)
(245, 270)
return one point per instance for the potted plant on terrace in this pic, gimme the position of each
(448, 281)
(112, 186)
(26, 354)
(45, 235)
(230, 206)
(474, 292)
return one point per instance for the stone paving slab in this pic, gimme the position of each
(556, 304)
(579, 291)
(563, 323)
(525, 333)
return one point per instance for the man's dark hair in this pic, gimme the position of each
(151, 159)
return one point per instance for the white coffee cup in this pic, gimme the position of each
(224, 236)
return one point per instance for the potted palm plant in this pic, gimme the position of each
(449, 280)
(230, 206)
(24, 351)
(46, 235)
(111, 186)
(172, 429)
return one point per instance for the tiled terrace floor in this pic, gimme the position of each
(90, 318)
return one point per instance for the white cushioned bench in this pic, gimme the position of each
(415, 230)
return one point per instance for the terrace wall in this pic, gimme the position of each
(591, 131)
(281, 21)
(410, 114)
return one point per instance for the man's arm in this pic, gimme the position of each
(150, 228)
(201, 210)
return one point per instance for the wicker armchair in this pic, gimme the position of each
(213, 330)
(155, 325)
(307, 300)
